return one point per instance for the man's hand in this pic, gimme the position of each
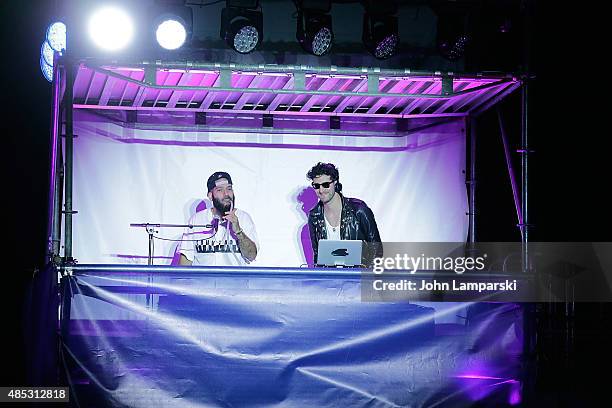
(247, 247)
(233, 219)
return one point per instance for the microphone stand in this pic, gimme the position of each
(150, 228)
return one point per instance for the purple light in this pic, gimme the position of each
(478, 377)
(482, 387)
(515, 394)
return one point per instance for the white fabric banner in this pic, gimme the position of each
(415, 188)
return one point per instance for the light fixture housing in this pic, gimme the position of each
(452, 33)
(314, 29)
(380, 28)
(380, 35)
(242, 25)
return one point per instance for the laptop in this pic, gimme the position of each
(340, 253)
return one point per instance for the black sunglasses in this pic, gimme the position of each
(324, 185)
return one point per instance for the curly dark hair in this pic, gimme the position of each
(324, 169)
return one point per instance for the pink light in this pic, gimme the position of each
(478, 377)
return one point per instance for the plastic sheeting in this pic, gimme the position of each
(278, 338)
(414, 184)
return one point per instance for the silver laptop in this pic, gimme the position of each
(339, 253)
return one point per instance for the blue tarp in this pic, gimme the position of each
(143, 337)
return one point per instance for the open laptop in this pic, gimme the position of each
(340, 253)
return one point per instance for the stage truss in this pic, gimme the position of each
(133, 93)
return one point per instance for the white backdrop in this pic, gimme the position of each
(125, 176)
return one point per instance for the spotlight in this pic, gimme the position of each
(111, 28)
(47, 70)
(171, 34)
(55, 41)
(173, 25)
(47, 52)
(453, 48)
(380, 35)
(242, 25)
(380, 29)
(452, 36)
(314, 26)
(56, 36)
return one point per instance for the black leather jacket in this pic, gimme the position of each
(356, 222)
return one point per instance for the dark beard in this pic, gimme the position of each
(222, 207)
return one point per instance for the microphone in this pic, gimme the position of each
(225, 220)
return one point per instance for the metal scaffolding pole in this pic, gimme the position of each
(524, 175)
(530, 338)
(528, 9)
(68, 147)
(515, 193)
(471, 178)
(56, 173)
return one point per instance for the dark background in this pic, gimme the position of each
(569, 174)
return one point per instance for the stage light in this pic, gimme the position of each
(47, 52)
(314, 26)
(452, 37)
(111, 28)
(246, 39)
(55, 41)
(380, 29)
(242, 25)
(171, 34)
(172, 25)
(47, 70)
(56, 36)
(453, 48)
(380, 35)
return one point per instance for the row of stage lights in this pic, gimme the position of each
(112, 29)
(55, 41)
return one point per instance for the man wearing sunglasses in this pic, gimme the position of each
(231, 239)
(337, 217)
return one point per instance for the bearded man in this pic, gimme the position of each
(223, 235)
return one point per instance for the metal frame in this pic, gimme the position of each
(285, 89)
(307, 91)
(269, 90)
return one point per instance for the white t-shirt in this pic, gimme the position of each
(332, 233)
(202, 246)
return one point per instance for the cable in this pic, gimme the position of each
(184, 240)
